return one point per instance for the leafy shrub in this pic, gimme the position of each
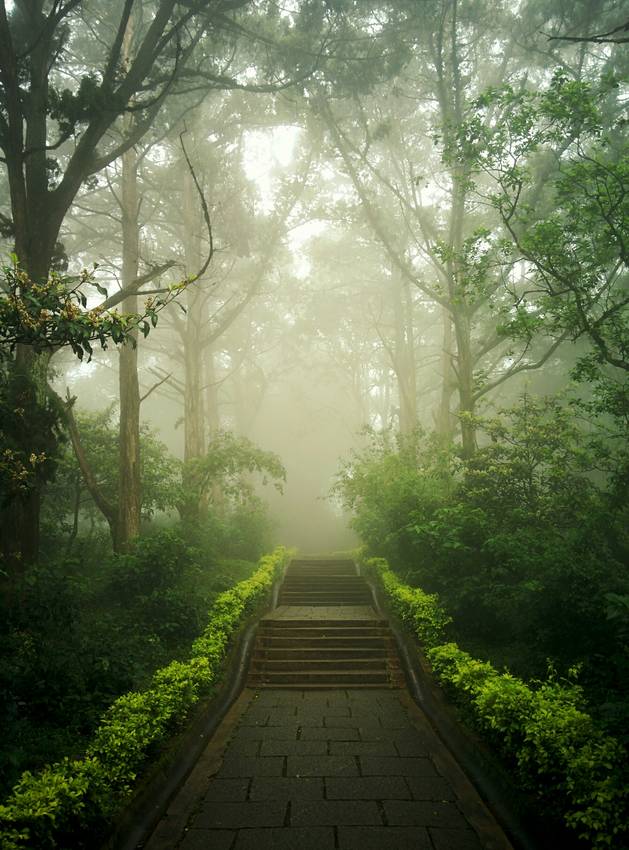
(76, 793)
(544, 731)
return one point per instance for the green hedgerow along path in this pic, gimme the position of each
(325, 748)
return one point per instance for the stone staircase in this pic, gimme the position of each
(325, 634)
(324, 583)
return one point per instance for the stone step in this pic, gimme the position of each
(339, 678)
(320, 686)
(306, 654)
(324, 631)
(268, 622)
(281, 665)
(331, 642)
(321, 571)
(297, 599)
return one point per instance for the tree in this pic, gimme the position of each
(56, 132)
(573, 242)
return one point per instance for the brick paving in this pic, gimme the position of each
(312, 770)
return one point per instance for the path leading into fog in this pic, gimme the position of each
(326, 749)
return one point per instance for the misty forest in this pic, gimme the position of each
(342, 276)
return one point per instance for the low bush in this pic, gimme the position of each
(51, 808)
(542, 729)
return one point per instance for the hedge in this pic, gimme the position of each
(76, 794)
(542, 729)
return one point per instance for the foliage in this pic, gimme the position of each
(76, 793)
(241, 530)
(30, 436)
(523, 541)
(159, 473)
(228, 462)
(544, 731)
(54, 314)
(421, 612)
(91, 627)
(558, 167)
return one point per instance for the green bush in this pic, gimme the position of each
(544, 731)
(75, 794)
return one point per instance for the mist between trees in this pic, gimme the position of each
(372, 255)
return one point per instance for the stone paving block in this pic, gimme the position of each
(383, 766)
(410, 745)
(321, 766)
(421, 813)
(314, 698)
(233, 790)
(334, 813)
(283, 699)
(362, 748)
(294, 748)
(300, 719)
(372, 732)
(329, 733)
(237, 815)
(394, 722)
(336, 699)
(430, 788)
(381, 837)
(244, 766)
(337, 711)
(254, 720)
(310, 718)
(367, 788)
(207, 839)
(286, 788)
(309, 838)
(343, 722)
(455, 839)
(243, 748)
(266, 733)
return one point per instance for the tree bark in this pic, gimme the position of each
(129, 480)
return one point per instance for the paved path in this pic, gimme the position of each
(342, 769)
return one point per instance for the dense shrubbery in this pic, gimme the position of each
(46, 808)
(544, 729)
(525, 543)
(87, 630)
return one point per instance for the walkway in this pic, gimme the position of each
(323, 767)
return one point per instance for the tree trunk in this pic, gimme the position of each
(194, 414)
(465, 370)
(404, 363)
(129, 481)
(443, 418)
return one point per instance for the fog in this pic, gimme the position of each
(329, 275)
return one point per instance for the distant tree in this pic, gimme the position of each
(573, 241)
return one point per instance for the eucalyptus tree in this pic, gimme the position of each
(422, 207)
(78, 89)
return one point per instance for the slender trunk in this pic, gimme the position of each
(404, 363)
(465, 370)
(129, 480)
(443, 418)
(211, 394)
(194, 413)
(212, 413)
